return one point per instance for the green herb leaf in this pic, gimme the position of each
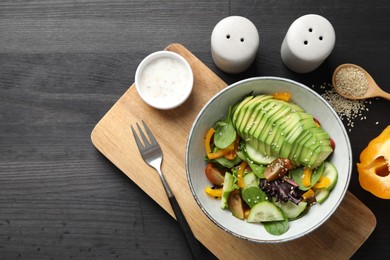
(225, 134)
(257, 169)
(253, 195)
(277, 228)
(226, 163)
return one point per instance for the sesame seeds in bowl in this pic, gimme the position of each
(351, 81)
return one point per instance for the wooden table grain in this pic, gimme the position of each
(63, 64)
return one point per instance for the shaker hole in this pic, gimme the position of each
(242, 39)
(228, 36)
(310, 29)
(305, 42)
(321, 38)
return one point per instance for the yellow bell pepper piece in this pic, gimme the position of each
(207, 140)
(306, 178)
(213, 192)
(246, 213)
(221, 153)
(323, 182)
(240, 174)
(308, 194)
(374, 166)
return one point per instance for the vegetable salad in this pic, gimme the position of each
(259, 188)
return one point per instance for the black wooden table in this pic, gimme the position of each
(63, 64)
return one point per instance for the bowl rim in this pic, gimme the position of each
(340, 123)
(164, 54)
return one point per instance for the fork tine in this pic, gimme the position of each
(150, 135)
(144, 139)
(137, 140)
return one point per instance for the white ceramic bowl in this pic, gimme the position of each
(164, 80)
(217, 108)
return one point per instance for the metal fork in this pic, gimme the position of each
(151, 153)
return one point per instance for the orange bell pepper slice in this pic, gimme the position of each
(240, 174)
(286, 96)
(374, 166)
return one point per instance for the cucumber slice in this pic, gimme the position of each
(322, 195)
(290, 209)
(265, 211)
(258, 157)
(228, 186)
(242, 155)
(251, 180)
(331, 173)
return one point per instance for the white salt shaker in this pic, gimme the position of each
(234, 44)
(308, 42)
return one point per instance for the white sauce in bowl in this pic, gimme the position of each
(165, 80)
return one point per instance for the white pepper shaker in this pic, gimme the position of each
(234, 44)
(308, 42)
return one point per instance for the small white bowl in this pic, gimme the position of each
(164, 80)
(217, 109)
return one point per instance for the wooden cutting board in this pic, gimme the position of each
(338, 238)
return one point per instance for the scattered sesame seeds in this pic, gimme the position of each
(348, 110)
(351, 82)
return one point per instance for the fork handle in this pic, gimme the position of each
(192, 242)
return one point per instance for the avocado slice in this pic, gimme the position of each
(267, 112)
(319, 155)
(320, 133)
(276, 142)
(247, 110)
(275, 129)
(290, 121)
(238, 109)
(305, 122)
(253, 115)
(286, 124)
(297, 147)
(270, 127)
(262, 113)
(266, 107)
(294, 107)
(319, 147)
(244, 113)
